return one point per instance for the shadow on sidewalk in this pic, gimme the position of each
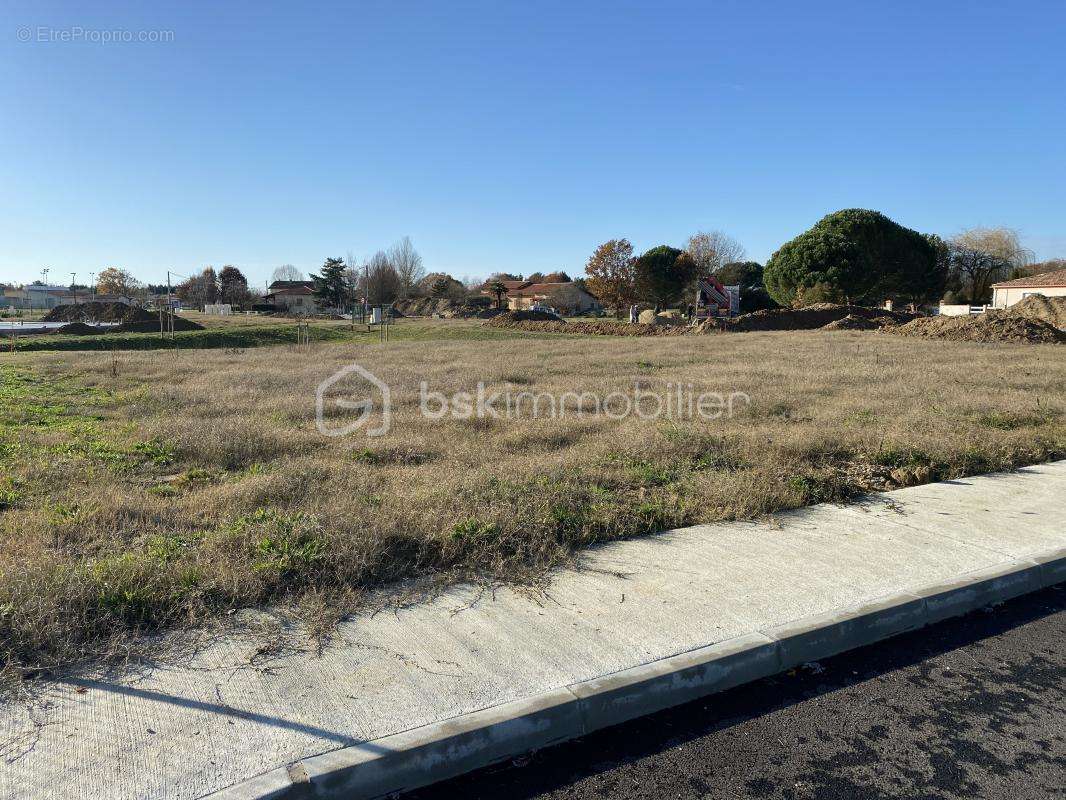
(554, 769)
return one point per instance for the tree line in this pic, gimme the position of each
(387, 276)
(665, 275)
(851, 256)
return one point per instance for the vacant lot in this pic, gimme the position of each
(148, 490)
(240, 332)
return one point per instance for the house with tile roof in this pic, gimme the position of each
(1049, 284)
(296, 297)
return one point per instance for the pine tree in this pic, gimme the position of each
(332, 286)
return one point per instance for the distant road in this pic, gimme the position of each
(974, 707)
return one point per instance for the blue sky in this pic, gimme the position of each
(514, 136)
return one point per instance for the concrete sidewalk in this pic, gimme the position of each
(470, 677)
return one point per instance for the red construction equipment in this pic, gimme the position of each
(716, 300)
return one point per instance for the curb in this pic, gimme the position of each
(442, 750)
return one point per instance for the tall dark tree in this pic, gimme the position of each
(663, 274)
(856, 256)
(332, 285)
(232, 285)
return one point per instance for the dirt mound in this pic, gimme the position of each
(98, 312)
(1051, 310)
(151, 325)
(809, 318)
(590, 328)
(440, 307)
(992, 326)
(79, 329)
(525, 316)
(853, 322)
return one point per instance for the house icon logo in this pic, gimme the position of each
(353, 390)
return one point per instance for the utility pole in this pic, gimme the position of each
(92, 283)
(170, 306)
(73, 287)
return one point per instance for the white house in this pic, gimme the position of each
(1049, 284)
(296, 297)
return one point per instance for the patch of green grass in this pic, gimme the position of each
(1012, 420)
(9, 492)
(237, 338)
(473, 528)
(157, 452)
(234, 338)
(55, 417)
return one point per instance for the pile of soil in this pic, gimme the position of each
(439, 307)
(991, 326)
(808, 318)
(589, 328)
(79, 329)
(1051, 310)
(99, 312)
(853, 322)
(132, 319)
(151, 325)
(526, 316)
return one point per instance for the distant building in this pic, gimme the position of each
(1049, 284)
(566, 297)
(296, 297)
(36, 296)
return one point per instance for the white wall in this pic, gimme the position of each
(1009, 295)
(958, 311)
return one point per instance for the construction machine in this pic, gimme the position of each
(713, 299)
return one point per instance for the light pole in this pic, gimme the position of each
(73, 287)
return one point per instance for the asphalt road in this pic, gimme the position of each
(974, 707)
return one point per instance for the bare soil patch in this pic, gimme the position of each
(808, 318)
(79, 329)
(98, 312)
(853, 322)
(1051, 310)
(583, 327)
(132, 319)
(991, 326)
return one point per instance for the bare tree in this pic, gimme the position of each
(982, 256)
(712, 251)
(1003, 243)
(408, 265)
(384, 280)
(286, 272)
(356, 272)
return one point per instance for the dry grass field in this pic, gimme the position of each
(145, 491)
